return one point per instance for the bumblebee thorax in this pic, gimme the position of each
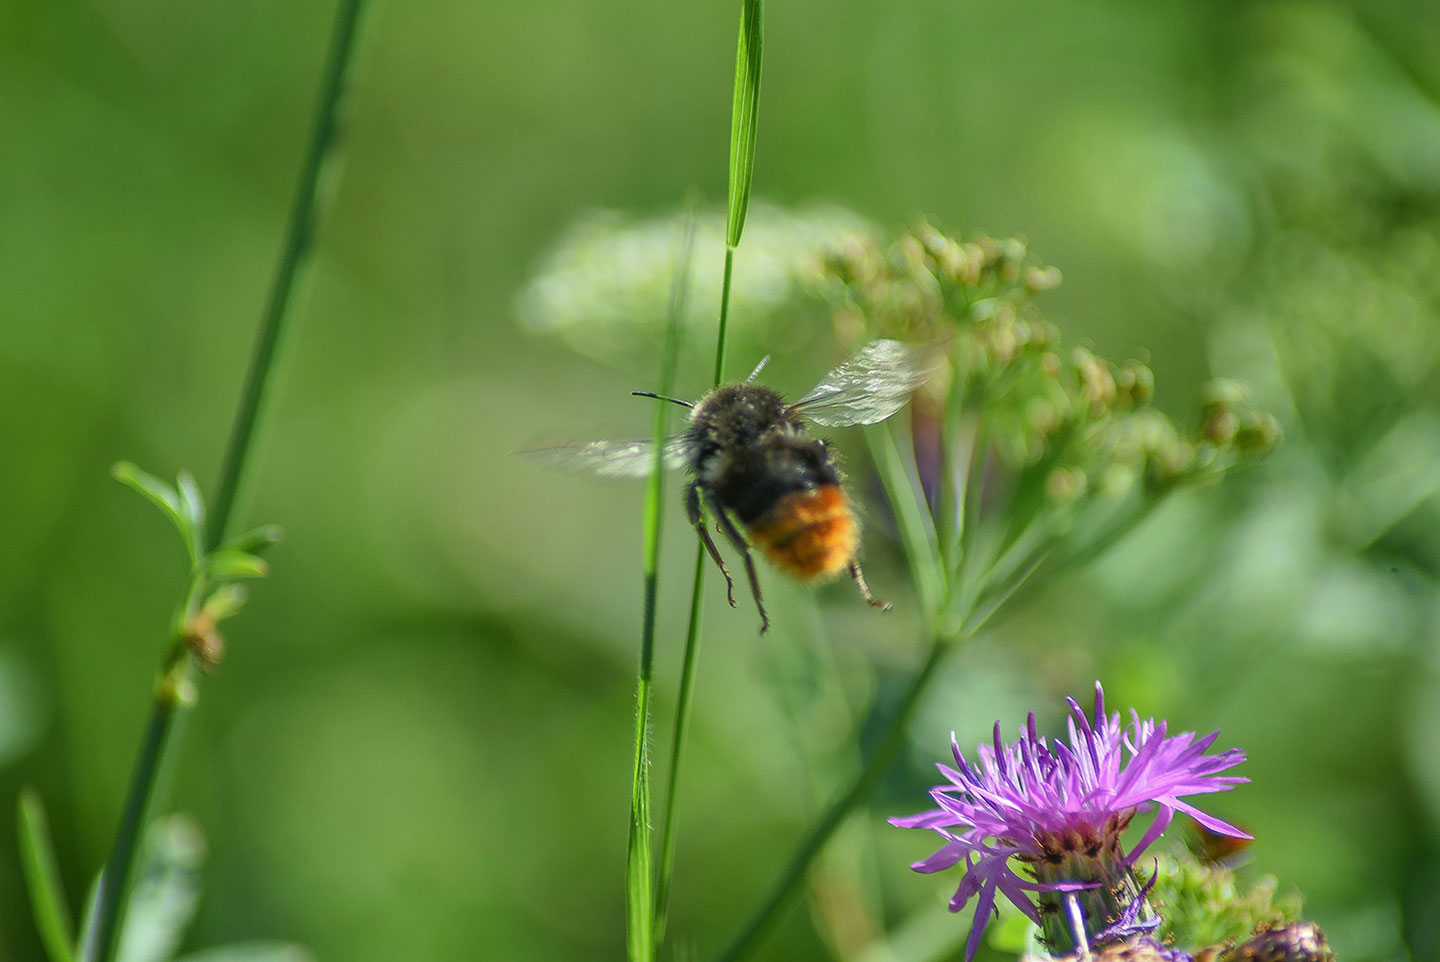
(738, 416)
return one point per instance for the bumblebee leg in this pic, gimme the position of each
(723, 522)
(859, 578)
(692, 511)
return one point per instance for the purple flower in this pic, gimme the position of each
(1059, 809)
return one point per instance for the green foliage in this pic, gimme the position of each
(181, 503)
(42, 879)
(1047, 454)
(1203, 903)
(745, 115)
(1242, 190)
(646, 889)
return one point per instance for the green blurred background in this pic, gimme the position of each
(418, 744)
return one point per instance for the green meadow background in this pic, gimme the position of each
(418, 744)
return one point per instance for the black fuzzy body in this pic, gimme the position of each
(748, 450)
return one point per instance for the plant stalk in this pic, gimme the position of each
(677, 739)
(640, 887)
(793, 876)
(113, 897)
(294, 261)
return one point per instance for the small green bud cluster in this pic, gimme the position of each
(214, 593)
(1088, 420)
(928, 281)
(1050, 431)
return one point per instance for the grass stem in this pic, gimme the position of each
(640, 891)
(677, 741)
(743, 122)
(294, 259)
(113, 895)
(794, 873)
(724, 317)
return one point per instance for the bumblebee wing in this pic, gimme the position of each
(869, 387)
(612, 459)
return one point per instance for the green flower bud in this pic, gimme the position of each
(1097, 384)
(1257, 434)
(1065, 485)
(1219, 426)
(1136, 384)
(1223, 393)
(1039, 279)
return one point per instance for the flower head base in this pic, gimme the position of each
(1058, 809)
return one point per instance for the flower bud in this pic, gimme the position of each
(1296, 942)
(1223, 393)
(1039, 279)
(1097, 384)
(1065, 485)
(1136, 384)
(1219, 425)
(1257, 434)
(204, 640)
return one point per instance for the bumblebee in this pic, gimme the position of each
(754, 466)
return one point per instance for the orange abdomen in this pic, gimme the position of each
(808, 534)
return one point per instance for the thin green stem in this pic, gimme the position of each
(724, 316)
(678, 739)
(640, 893)
(294, 259)
(960, 449)
(639, 914)
(144, 786)
(743, 120)
(794, 873)
(42, 878)
(917, 529)
(112, 901)
(966, 566)
(692, 648)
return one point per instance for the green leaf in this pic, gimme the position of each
(167, 890)
(42, 877)
(89, 922)
(639, 864)
(163, 497)
(225, 602)
(744, 115)
(230, 563)
(252, 952)
(257, 540)
(679, 291)
(192, 506)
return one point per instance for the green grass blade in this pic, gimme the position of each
(639, 862)
(639, 915)
(111, 903)
(744, 115)
(42, 878)
(678, 739)
(901, 481)
(89, 920)
(301, 228)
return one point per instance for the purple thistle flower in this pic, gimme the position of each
(1059, 810)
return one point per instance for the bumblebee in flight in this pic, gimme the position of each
(754, 466)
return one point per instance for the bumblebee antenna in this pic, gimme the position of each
(663, 397)
(758, 368)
